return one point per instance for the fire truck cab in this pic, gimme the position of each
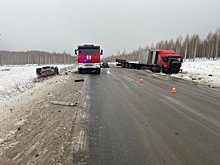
(89, 58)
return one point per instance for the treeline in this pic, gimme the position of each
(34, 57)
(190, 47)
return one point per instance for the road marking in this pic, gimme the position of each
(130, 79)
(203, 116)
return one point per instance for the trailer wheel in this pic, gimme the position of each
(138, 67)
(126, 65)
(130, 66)
(123, 65)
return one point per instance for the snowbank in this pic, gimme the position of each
(16, 79)
(201, 70)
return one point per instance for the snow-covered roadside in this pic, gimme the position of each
(202, 71)
(16, 79)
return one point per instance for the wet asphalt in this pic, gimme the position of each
(134, 123)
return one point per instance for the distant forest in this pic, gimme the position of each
(190, 47)
(34, 57)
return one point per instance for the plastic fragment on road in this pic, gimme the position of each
(79, 80)
(64, 103)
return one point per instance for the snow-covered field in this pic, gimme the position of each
(201, 71)
(16, 79)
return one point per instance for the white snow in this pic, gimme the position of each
(201, 71)
(16, 79)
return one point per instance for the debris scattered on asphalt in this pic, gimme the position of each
(177, 133)
(193, 78)
(36, 155)
(79, 80)
(19, 128)
(211, 86)
(210, 74)
(64, 103)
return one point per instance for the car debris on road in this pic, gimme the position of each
(64, 103)
(79, 80)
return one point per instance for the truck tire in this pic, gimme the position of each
(169, 71)
(98, 71)
(130, 66)
(80, 71)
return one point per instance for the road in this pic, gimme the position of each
(117, 121)
(144, 123)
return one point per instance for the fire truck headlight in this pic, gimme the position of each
(97, 65)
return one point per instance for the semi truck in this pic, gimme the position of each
(155, 60)
(89, 58)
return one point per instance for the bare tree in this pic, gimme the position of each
(186, 44)
(217, 42)
(195, 41)
(178, 44)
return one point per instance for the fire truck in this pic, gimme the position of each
(89, 58)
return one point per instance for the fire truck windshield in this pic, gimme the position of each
(88, 50)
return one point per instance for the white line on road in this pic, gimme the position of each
(203, 116)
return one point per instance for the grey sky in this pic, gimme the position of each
(61, 25)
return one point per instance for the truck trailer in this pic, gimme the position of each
(155, 60)
(89, 58)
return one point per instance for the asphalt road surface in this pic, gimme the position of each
(133, 123)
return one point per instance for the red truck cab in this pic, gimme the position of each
(89, 58)
(169, 61)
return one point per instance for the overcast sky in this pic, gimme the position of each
(61, 25)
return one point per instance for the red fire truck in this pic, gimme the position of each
(89, 58)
